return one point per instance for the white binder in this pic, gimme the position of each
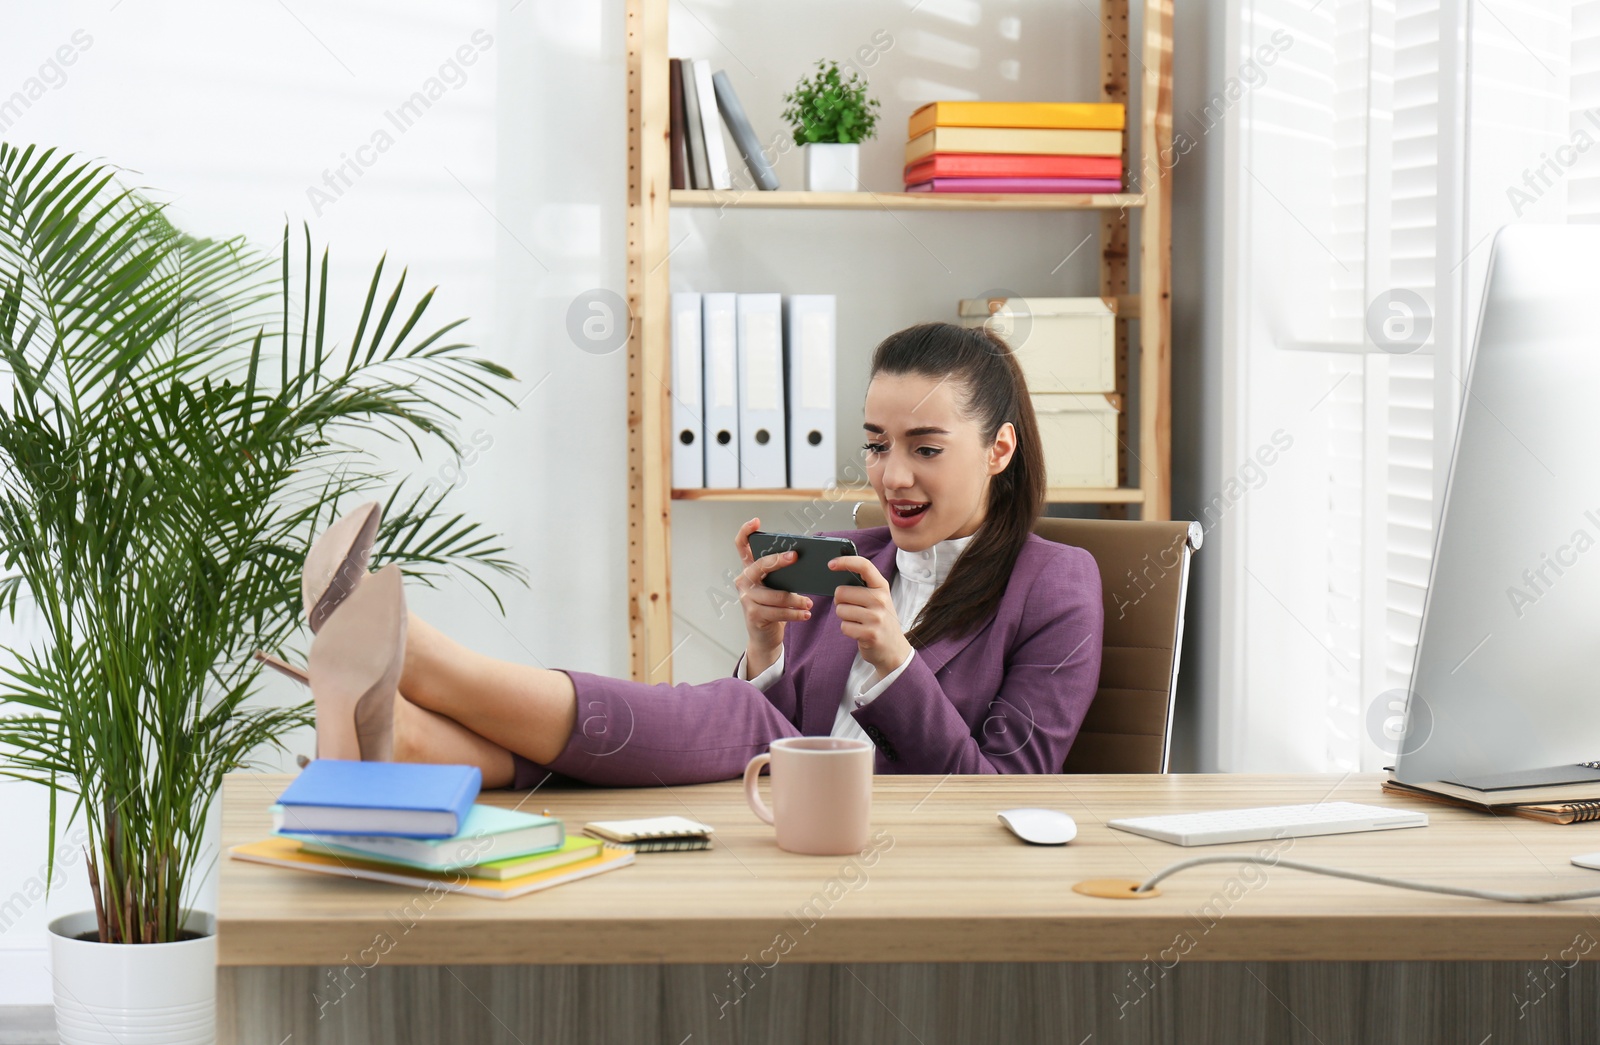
(719, 334)
(763, 458)
(810, 322)
(688, 416)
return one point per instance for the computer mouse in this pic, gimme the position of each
(1040, 826)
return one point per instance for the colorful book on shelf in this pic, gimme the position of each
(698, 73)
(1003, 185)
(281, 852)
(408, 799)
(694, 128)
(1107, 116)
(1014, 140)
(744, 136)
(489, 833)
(1001, 165)
(571, 851)
(676, 142)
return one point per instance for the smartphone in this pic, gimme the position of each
(809, 573)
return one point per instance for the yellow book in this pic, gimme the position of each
(1104, 116)
(281, 852)
(1037, 142)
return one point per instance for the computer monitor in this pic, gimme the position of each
(1506, 682)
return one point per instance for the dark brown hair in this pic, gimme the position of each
(990, 390)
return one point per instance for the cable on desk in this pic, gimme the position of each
(1357, 876)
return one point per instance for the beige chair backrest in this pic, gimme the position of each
(1144, 574)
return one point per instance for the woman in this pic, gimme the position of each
(994, 676)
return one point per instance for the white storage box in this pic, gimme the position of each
(1063, 344)
(1079, 433)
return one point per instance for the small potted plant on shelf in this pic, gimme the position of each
(179, 422)
(831, 115)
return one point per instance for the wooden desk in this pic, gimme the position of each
(947, 930)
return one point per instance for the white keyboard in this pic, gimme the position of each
(1250, 825)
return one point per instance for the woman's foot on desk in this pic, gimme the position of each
(355, 670)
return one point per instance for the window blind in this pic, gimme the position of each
(1436, 111)
(1583, 181)
(1379, 417)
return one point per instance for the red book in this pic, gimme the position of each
(1006, 165)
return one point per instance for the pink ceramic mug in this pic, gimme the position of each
(821, 793)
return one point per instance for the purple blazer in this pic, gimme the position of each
(1006, 698)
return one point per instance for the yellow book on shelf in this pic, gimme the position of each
(1032, 141)
(282, 852)
(1104, 116)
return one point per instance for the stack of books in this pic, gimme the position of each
(419, 825)
(1560, 804)
(700, 101)
(1015, 147)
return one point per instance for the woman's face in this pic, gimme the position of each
(929, 466)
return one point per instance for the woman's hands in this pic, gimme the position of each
(766, 610)
(866, 614)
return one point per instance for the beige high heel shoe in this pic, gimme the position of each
(283, 667)
(354, 670)
(334, 567)
(337, 562)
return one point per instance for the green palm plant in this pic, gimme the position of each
(180, 423)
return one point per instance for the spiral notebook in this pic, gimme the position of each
(653, 834)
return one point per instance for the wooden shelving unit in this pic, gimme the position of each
(784, 199)
(1146, 464)
(854, 494)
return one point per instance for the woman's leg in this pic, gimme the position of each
(628, 733)
(525, 709)
(421, 735)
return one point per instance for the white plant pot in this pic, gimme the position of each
(134, 994)
(832, 167)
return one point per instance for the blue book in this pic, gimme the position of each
(404, 799)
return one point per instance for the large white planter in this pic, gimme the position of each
(832, 167)
(134, 994)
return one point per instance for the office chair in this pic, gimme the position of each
(1144, 573)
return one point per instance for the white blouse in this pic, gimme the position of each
(916, 576)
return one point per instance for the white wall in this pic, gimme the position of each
(508, 193)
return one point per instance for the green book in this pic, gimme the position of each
(488, 834)
(573, 850)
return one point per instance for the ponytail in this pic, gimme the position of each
(992, 392)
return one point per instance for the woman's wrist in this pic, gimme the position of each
(758, 659)
(888, 660)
